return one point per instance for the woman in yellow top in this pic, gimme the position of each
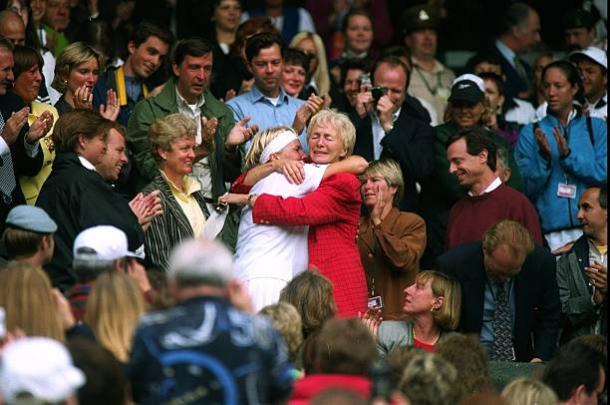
(184, 210)
(28, 78)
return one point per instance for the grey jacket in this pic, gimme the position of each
(393, 334)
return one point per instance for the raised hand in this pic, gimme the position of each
(240, 133)
(146, 207)
(313, 104)
(543, 144)
(364, 103)
(112, 108)
(385, 110)
(378, 209)
(83, 98)
(293, 170)
(40, 127)
(598, 275)
(13, 125)
(562, 143)
(371, 319)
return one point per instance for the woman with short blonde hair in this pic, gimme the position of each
(527, 391)
(113, 310)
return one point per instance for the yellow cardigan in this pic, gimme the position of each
(31, 185)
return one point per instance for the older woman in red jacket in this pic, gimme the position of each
(332, 212)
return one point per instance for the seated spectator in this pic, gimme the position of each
(576, 374)
(469, 358)
(173, 145)
(430, 379)
(527, 391)
(472, 160)
(353, 71)
(28, 78)
(39, 370)
(509, 293)
(296, 64)
(432, 304)
(32, 305)
(556, 167)
(345, 355)
(583, 270)
(114, 329)
(285, 318)
(494, 94)
(100, 250)
(28, 236)
(201, 279)
(592, 65)
(287, 19)
(54, 23)
(579, 29)
(503, 170)
(318, 73)
(537, 98)
(390, 242)
(312, 295)
(76, 196)
(105, 381)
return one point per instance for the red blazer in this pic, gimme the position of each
(333, 213)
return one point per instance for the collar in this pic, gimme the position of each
(508, 53)
(191, 185)
(87, 164)
(492, 186)
(181, 101)
(255, 95)
(395, 115)
(438, 67)
(602, 102)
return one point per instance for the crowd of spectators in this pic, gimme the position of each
(227, 201)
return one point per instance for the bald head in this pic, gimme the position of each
(11, 27)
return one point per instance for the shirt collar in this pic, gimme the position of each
(492, 186)
(191, 185)
(395, 115)
(87, 164)
(508, 53)
(256, 95)
(182, 101)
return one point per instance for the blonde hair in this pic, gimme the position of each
(27, 297)
(486, 115)
(165, 131)
(321, 76)
(340, 122)
(390, 171)
(527, 391)
(510, 233)
(113, 310)
(447, 317)
(286, 319)
(259, 142)
(71, 57)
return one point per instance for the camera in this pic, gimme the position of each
(378, 92)
(365, 79)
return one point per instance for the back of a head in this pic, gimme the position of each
(515, 15)
(75, 123)
(509, 233)
(469, 359)
(574, 365)
(198, 262)
(105, 380)
(312, 295)
(26, 226)
(527, 391)
(428, 379)
(345, 346)
(287, 321)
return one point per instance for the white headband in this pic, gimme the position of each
(276, 145)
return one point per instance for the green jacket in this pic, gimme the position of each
(223, 166)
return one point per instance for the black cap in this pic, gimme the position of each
(466, 90)
(420, 17)
(579, 18)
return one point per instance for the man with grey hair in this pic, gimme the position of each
(205, 349)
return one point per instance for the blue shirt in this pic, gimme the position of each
(264, 113)
(489, 306)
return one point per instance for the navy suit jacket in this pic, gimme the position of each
(537, 305)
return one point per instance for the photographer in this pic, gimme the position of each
(391, 124)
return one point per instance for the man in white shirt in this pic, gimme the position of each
(592, 64)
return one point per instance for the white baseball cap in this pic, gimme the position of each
(596, 54)
(108, 242)
(41, 367)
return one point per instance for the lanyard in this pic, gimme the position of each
(121, 87)
(434, 90)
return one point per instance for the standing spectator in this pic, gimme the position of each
(12, 27)
(494, 95)
(55, 21)
(430, 79)
(582, 272)
(236, 349)
(387, 128)
(267, 101)
(76, 196)
(294, 74)
(519, 31)
(579, 29)
(561, 155)
(19, 148)
(510, 295)
(592, 65)
(28, 236)
(472, 157)
(390, 242)
(288, 20)
(352, 73)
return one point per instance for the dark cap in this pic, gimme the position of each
(578, 18)
(420, 17)
(469, 88)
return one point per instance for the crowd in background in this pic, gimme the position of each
(221, 201)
